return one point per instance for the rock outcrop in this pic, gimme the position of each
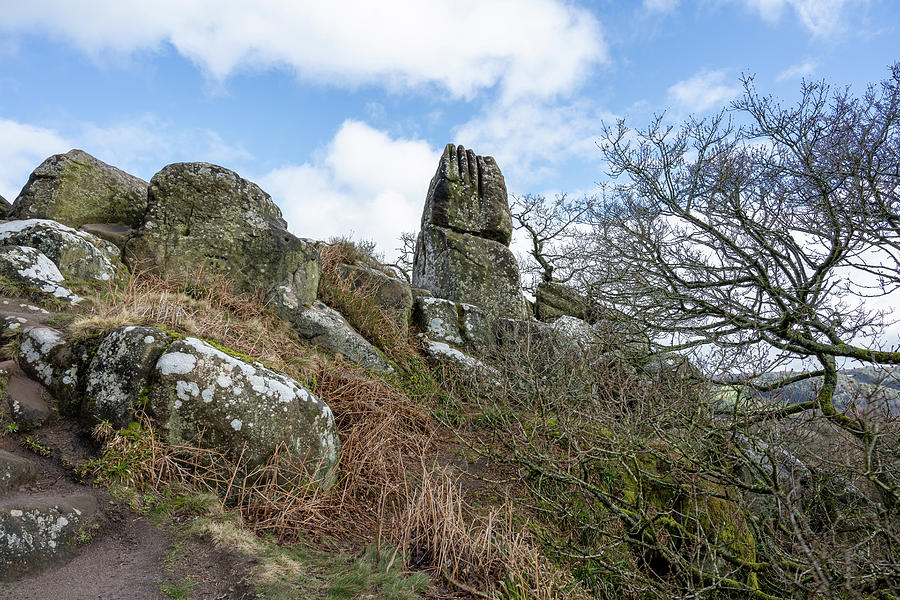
(5, 207)
(554, 300)
(75, 188)
(205, 217)
(201, 395)
(77, 254)
(462, 253)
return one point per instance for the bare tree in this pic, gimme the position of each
(552, 226)
(774, 233)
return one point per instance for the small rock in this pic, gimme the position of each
(27, 401)
(114, 233)
(15, 471)
(323, 326)
(45, 355)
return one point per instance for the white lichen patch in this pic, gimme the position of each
(176, 363)
(236, 424)
(186, 389)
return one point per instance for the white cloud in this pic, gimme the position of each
(703, 91)
(23, 148)
(661, 6)
(526, 47)
(804, 69)
(821, 17)
(364, 182)
(528, 137)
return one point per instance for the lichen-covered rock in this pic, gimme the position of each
(37, 530)
(30, 266)
(202, 216)
(240, 407)
(468, 194)
(465, 268)
(444, 353)
(455, 323)
(554, 300)
(46, 357)
(76, 254)
(75, 188)
(323, 326)
(120, 371)
(389, 293)
(27, 401)
(14, 471)
(438, 319)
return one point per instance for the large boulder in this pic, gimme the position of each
(201, 395)
(77, 254)
(75, 188)
(468, 194)
(323, 326)
(120, 373)
(464, 268)
(30, 267)
(462, 252)
(202, 216)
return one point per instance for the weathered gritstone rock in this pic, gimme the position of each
(441, 352)
(438, 319)
(5, 207)
(323, 326)
(462, 251)
(241, 408)
(113, 233)
(202, 216)
(14, 471)
(389, 293)
(17, 314)
(458, 324)
(464, 268)
(75, 188)
(37, 530)
(27, 401)
(468, 194)
(554, 300)
(120, 371)
(31, 267)
(77, 254)
(45, 356)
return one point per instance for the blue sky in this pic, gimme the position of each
(340, 110)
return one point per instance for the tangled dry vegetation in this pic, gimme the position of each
(391, 486)
(604, 478)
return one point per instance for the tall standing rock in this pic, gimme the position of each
(462, 253)
(75, 188)
(202, 216)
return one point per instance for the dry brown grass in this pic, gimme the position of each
(207, 306)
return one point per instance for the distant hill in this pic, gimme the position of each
(870, 388)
